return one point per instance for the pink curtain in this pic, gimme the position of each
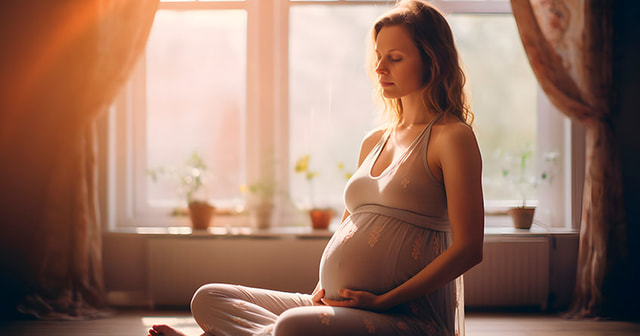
(569, 45)
(62, 63)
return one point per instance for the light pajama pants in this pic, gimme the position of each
(232, 310)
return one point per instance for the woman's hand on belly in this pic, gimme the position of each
(317, 297)
(360, 300)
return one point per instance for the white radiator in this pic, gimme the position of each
(514, 272)
(179, 266)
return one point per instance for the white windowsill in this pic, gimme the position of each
(496, 226)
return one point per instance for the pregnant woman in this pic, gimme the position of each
(414, 215)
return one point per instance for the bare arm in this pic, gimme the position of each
(461, 165)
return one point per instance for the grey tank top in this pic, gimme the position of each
(398, 225)
(406, 187)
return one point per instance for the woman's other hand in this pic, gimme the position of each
(359, 299)
(317, 297)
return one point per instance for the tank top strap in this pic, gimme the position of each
(423, 138)
(425, 147)
(375, 151)
(417, 142)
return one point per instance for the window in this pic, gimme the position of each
(330, 101)
(196, 92)
(251, 86)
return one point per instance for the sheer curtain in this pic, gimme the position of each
(62, 63)
(569, 45)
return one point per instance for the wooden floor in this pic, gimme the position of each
(135, 323)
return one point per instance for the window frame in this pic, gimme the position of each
(267, 117)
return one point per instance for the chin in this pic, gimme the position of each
(390, 95)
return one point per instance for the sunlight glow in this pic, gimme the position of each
(149, 321)
(51, 46)
(185, 324)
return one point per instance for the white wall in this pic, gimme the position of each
(287, 263)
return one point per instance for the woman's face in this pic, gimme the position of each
(399, 66)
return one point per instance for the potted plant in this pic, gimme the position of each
(524, 182)
(191, 178)
(261, 202)
(320, 217)
(261, 194)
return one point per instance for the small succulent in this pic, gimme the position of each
(522, 180)
(191, 176)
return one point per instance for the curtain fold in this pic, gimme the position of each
(63, 62)
(569, 46)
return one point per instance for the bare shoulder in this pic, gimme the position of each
(372, 137)
(455, 133)
(454, 138)
(369, 141)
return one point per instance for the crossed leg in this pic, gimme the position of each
(231, 310)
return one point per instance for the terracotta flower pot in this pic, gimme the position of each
(522, 217)
(200, 214)
(321, 218)
(261, 215)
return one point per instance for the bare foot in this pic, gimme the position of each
(164, 330)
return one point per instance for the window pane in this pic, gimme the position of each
(196, 70)
(503, 94)
(330, 103)
(330, 95)
(201, 0)
(383, 1)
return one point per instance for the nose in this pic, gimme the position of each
(381, 67)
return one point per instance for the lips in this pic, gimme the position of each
(384, 84)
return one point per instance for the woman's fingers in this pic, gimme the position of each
(344, 303)
(349, 294)
(316, 298)
(357, 299)
(351, 299)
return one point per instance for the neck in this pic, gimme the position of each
(414, 112)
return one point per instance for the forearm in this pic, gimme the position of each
(443, 269)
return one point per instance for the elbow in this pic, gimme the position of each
(477, 254)
(468, 255)
(473, 257)
(477, 258)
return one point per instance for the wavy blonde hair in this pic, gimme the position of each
(444, 81)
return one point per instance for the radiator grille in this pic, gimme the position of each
(514, 272)
(178, 267)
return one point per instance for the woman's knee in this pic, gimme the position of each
(210, 296)
(299, 321)
(290, 323)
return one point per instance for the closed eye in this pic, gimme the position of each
(394, 57)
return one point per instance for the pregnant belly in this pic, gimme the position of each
(372, 253)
